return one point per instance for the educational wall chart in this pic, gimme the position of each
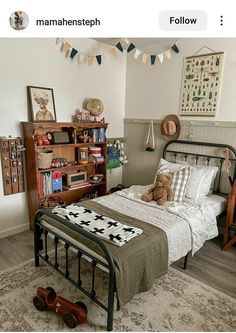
(201, 83)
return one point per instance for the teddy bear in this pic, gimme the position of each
(161, 192)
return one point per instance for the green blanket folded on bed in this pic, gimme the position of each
(139, 262)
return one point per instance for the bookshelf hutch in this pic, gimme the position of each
(70, 151)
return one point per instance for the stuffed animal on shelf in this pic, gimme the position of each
(161, 192)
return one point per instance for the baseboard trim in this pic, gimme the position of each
(14, 230)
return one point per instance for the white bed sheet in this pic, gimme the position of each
(177, 229)
(217, 203)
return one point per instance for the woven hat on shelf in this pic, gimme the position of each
(170, 127)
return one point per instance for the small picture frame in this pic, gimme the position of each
(41, 104)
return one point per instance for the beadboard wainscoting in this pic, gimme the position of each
(143, 164)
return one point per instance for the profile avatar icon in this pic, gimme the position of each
(19, 20)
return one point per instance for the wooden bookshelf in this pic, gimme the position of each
(69, 151)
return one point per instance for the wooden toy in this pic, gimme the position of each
(73, 313)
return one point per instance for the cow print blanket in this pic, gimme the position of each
(102, 226)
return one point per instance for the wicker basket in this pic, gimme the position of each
(45, 159)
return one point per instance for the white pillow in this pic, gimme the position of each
(201, 180)
(172, 167)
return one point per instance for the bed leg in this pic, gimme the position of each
(37, 242)
(185, 261)
(111, 295)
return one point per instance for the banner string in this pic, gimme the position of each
(72, 52)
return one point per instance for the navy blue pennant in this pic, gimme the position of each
(73, 53)
(175, 48)
(99, 59)
(130, 48)
(153, 59)
(119, 47)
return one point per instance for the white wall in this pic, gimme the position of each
(153, 92)
(39, 62)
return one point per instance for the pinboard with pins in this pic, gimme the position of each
(11, 151)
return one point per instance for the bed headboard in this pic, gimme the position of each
(205, 153)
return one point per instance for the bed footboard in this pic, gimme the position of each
(41, 242)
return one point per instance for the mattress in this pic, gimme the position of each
(177, 229)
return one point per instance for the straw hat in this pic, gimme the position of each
(170, 127)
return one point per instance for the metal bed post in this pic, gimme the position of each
(37, 244)
(111, 293)
(185, 261)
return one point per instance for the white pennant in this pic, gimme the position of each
(59, 40)
(161, 57)
(137, 53)
(81, 58)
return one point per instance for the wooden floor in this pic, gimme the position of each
(210, 264)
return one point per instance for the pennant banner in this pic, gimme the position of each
(168, 54)
(122, 46)
(130, 48)
(99, 59)
(137, 53)
(114, 52)
(161, 57)
(90, 60)
(145, 58)
(175, 48)
(153, 59)
(73, 53)
(119, 46)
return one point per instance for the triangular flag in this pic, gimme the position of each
(161, 57)
(62, 45)
(130, 48)
(175, 48)
(153, 59)
(59, 40)
(99, 59)
(65, 47)
(144, 58)
(114, 52)
(73, 53)
(119, 47)
(90, 60)
(137, 53)
(81, 58)
(168, 54)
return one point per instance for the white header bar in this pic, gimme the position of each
(108, 18)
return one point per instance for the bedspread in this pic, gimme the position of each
(184, 231)
(139, 262)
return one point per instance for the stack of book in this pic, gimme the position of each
(98, 134)
(44, 183)
(75, 187)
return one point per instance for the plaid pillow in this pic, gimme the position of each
(179, 181)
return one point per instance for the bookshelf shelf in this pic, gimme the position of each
(70, 151)
(76, 189)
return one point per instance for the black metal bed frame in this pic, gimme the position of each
(41, 231)
(208, 157)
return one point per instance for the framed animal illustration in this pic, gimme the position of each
(201, 84)
(41, 103)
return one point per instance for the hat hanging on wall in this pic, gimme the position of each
(170, 127)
